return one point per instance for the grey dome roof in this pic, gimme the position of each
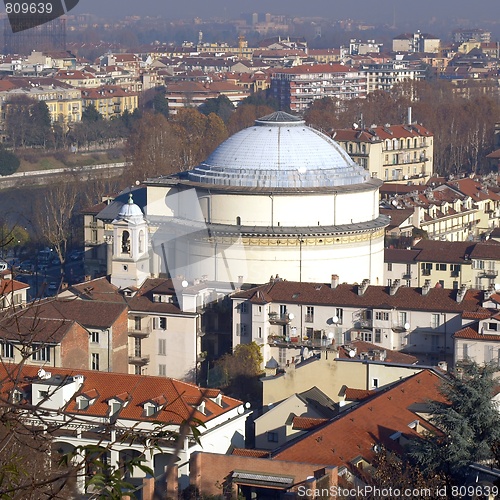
(130, 211)
(280, 150)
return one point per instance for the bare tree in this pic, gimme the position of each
(54, 217)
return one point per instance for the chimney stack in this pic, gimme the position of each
(335, 281)
(394, 287)
(362, 288)
(461, 293)
(426, 287)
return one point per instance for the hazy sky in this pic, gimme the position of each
(368, 10)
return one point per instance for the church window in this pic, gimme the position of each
(126, 242)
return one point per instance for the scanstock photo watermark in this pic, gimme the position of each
(29, 14)
(369, 491)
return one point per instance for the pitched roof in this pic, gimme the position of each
(453, 252)
(354, 433)
(471, 333)
(136, 389)
(401, 255)
(97, 289)
(292, 292)
(307, 423)
(389, 355)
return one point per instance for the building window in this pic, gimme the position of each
(141, 241)
(259, 332)
(339, 312)
(465, 351)
(137, 323)
(94, 337)
(41, 353)
(378, 335)
(137, 347)
(243, 308)
(95, 361)
(367, 336)
(162, 370)
(309, 314)
(7, 350)
(382, 316)
(375, 383)
(282, 356)
(272, 437)
(493, 327)
(441, 267)
(435, 321)
(389, 266)
(162, 347)
(161, 323)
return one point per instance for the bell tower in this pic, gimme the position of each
(130, 254)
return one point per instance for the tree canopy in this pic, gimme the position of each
(468, 423)
(9, 162)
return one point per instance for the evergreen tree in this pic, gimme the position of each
(90, 114)
(9, 162)
(469, 425)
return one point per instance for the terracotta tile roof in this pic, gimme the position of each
(143, 300)
(494, 155)
(471, 333)
(354, 433)
(307, 423)
(367, 347)
(398, 216)
(97, 289)
(97, 314)
(476, 314)
(244, 452)
(9, 285)
(28, 329)
(486, 250)
(292, 292)
(358, 394)
(474, 189)
(137, 389)
(315, 68)
(444, 251)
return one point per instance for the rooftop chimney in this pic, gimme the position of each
(461, 293)
(362, 288)
(394, 287)
(335, 281)
(426, 287)
(488, 293)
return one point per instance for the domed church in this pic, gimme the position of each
(277, 198)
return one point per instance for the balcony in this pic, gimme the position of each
(278, 319)
(138, 359)
(141, 333)
(454, 274)
(406, 276)
(488, 273)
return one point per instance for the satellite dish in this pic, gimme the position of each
(184, 283)
(335, 319)
(291, 316)
(241, 410)
(407, 326)
(331, 335)
(497, 287)
(305, 352)
(247, 405)
(41, 373)
(352, 353)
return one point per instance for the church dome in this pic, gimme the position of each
(130, 211)
(279, 151)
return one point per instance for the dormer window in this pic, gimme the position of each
(201, 407)
(217, 400)
(150, 409)
(82, 403)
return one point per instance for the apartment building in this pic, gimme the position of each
(110, 100)
(383, 76)
(286, 317)
(393, 153)
(64, 102)
(132, 409)
(297, 88)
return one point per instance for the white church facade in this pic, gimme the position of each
(277, 198)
